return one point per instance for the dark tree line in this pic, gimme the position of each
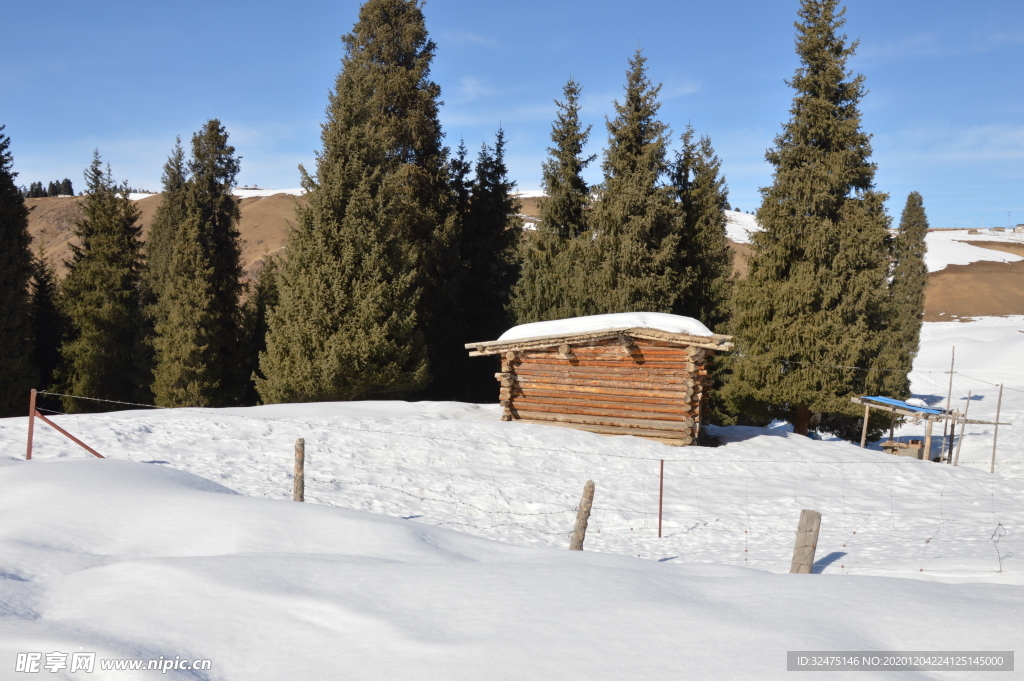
(37, 191)
(406, 251)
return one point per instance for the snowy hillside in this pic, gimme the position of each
(739, 226)
(433, 544)
(135, 561)
(433, 539)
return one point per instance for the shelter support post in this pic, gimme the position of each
(864, 430)
(995, 436)
(963, 427)
(928, 440)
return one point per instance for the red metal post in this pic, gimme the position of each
(31, 421)
(71, 437)
(661, 494)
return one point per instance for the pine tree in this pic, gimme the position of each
(263, 296)
(636, 219)
(185, 340)
(703, 199)
(65, 187)
(345, 324)
(197, 278)
(170, 214)
(17, 374)
(906, 296)
(490, 237)
(104, 354)
(47, 321)
(367, 287)
(813, 305)
(552, 269)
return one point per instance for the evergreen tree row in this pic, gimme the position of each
(651, 237)
(37, 191)
(406, 251)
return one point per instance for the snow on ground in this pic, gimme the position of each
(739, 226)
(670, 323)
(237, 191)
(460, 467)
(141, 561)
(989, 350)
(433, 543)
(946, 247)
(246, 193)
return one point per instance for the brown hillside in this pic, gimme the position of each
(530, 206)
(981, 288)
(264, 226)
(976, 290)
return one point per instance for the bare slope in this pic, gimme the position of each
(264, 226)
(977, 289)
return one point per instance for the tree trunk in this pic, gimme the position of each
(801, 420)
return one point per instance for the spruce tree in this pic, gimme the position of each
(66, 188)
(552, 270)
(47, 321)
(637, 221)
(197, 246)
(169, 216)
(212, 172)
(104, 355)
(17, 374)
(811, 314)
(263, 296)
(906, 296)
(703, 199)
(185, 342)
(490, 236)
(345, 324)
(371, 273)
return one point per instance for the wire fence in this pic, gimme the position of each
(880, 516)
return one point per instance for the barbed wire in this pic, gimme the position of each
(704, 521)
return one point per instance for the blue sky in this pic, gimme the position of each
(946, 100)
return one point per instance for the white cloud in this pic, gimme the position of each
(465, 37)
(977, 144)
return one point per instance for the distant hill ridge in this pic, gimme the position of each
(266, 219)
(981, 288)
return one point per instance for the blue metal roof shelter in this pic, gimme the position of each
(903, 405)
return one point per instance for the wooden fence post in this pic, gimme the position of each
(806, 542)
(579, 532)
(299, 487)
(31, 421)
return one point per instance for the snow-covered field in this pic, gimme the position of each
(139, 561)
(134, 557)
(432, 544)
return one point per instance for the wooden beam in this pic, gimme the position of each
(713, 342)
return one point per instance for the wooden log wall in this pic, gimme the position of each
(651, 389)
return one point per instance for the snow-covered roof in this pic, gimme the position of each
(670, 323)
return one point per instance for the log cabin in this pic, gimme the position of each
(644, 374)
